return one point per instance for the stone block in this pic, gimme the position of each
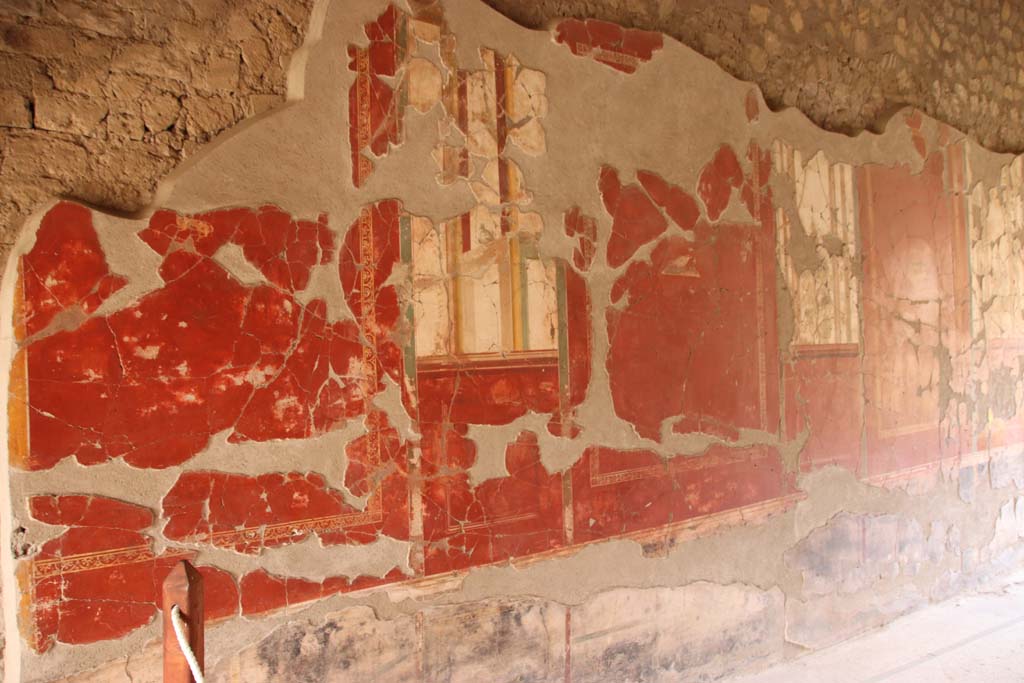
(969, 479)
(1006, 468)
(937, 546)
(23, 73)
(218, 73)
(60, 42)
(35, 154)
(881, 539)
(21, 8)
(911, 550)
(84, 76)
(1009, 526)
(209, 115)
(829, 555)
(495, 640)
(690, 632)
(851, 553)
(352, 645)
(69, 113)
(103, 18)
(695, 632)
(125, 125)
(159, 110)
(828, 619)
(151, 60)
(129, 87)
(14, 110)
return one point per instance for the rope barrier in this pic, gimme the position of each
(179, 631)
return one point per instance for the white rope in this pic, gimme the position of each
(179, 630)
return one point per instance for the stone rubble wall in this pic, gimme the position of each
(99, 100)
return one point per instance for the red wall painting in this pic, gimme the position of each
(843, 315)
(912, 313)
(623, 49)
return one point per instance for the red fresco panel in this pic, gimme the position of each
(622, 491)
(623, 49)
(193, 357)
(496, 520)
(487, 395)
(289, 405)
(707, 305)
(262, 592)
(497, 392)
(718, 179)
(912, 235)
(578, 314)
(751, 106)
(99, 579)
(249, 513)
(283, 248)
(199, 355)
(755, 191)
(369, 254)
(680, 206)
(824, 396)
(205, 353)
(66, 268)
(914, 120)
(584, 228)
(97, 391)
(706, 308)
(152, 382)
(375, 108)
(635, 219)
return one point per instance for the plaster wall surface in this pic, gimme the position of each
(490, 352)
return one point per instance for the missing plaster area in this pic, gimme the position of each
(847, 71)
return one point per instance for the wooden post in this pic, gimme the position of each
(183, 587)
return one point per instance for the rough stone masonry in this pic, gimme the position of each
(101, 100)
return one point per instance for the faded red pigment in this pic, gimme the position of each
(623, 49)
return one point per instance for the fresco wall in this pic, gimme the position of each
(444, 333)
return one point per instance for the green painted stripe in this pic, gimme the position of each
(524, 298)
(402, 36)
(405, 238)
(410, 348)
(563, 332)
(405, 250)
